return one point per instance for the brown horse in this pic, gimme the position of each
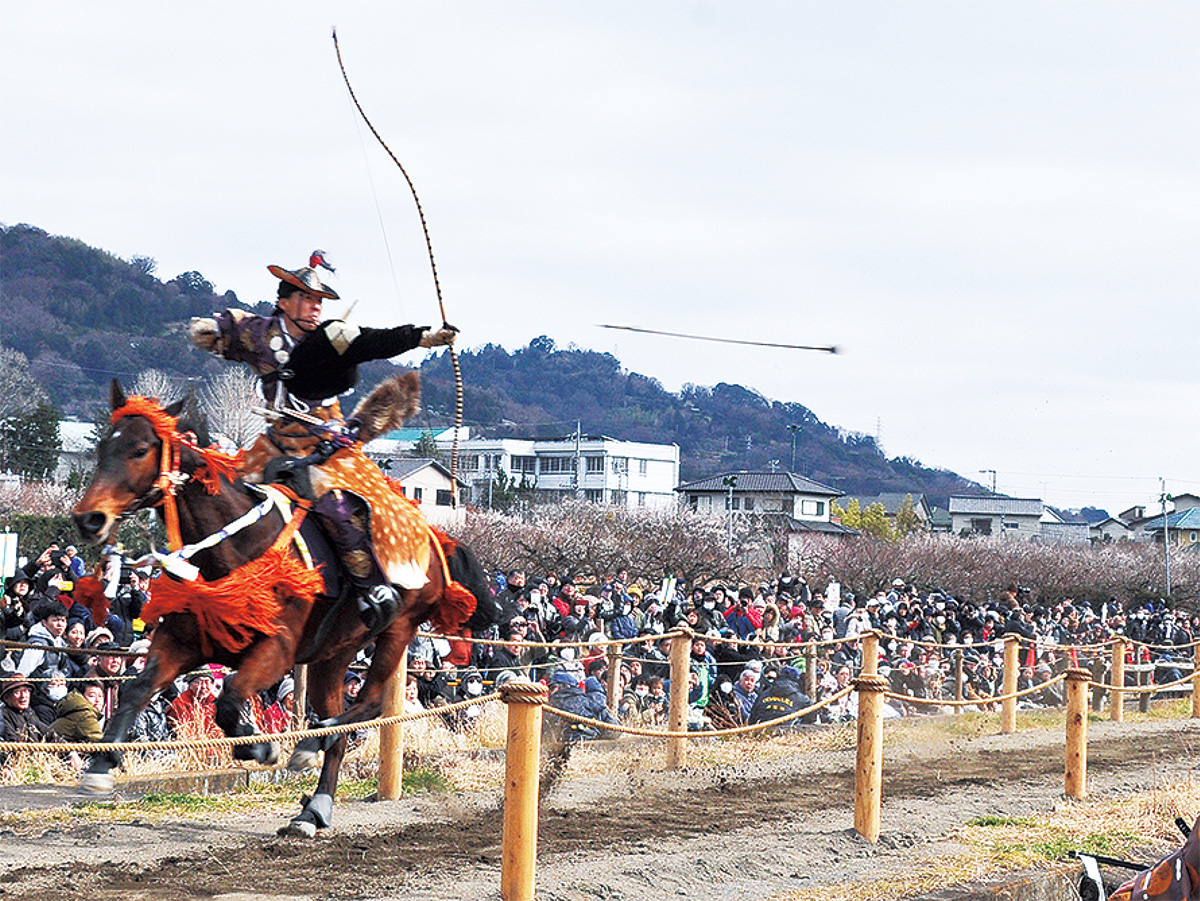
(148, 458)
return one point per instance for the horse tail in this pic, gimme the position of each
(458, 602)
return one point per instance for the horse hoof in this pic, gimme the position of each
(97, 783)
(266, 753)
(304, 760)
(299, 829)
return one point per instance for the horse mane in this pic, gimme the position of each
(215, 462)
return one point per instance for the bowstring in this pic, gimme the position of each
(387, 244)
(437, 284)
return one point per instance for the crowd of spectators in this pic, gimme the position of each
(751, 648)
(748, 663)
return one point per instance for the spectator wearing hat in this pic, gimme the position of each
(567, 694)
(278, 716)
(779, 697)
(79, 714)
(20, 722)
(469, 687)
(194, 713)
(106, 669)
(48, 695)
(745, 692)
(351, 685)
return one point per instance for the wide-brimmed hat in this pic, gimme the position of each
(304, 278)
(13, 684)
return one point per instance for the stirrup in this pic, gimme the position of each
(378, 607)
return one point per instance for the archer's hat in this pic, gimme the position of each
(305, 277)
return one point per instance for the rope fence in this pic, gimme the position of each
(526, 702)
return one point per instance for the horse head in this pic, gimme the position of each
(129, 464)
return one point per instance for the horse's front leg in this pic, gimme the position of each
(166, 661)
(264, 664)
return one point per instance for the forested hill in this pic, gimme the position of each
(82, 315)
(543, 391)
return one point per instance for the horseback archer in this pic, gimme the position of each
(304, 362)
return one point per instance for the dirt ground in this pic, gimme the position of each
(751, 831)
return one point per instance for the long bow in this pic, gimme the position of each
(458, 382)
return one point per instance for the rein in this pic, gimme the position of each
(171, 478)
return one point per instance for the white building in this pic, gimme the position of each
(591, 467)
(993, 515)
(427, 484)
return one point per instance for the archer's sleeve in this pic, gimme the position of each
(358, 345)
(237, 335)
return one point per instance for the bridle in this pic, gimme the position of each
(171, 478)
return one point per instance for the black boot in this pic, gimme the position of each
(378, 606)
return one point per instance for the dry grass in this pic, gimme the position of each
(996, 845)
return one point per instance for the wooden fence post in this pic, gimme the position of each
(1196, 682)
(391, 738)
(677, 709)
(300, 698)
(1145, 678)
(1075, 762)
(1098, 679)
(868, 770)
(613, 683)
(1116, 708)
(518, 856)
(870, 653)
(958, 679)
(1012, 666)
(810, 670)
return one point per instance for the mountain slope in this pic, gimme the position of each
(82, 315)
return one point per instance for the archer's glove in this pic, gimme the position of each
(445, 335)
(204, 334)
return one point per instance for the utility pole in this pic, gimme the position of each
(1162, 499)
(577, 478)
(730, 482)
(794, 429)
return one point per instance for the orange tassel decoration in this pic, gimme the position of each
(235, 610)
(90, 593)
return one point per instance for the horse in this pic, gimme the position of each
(252, 605)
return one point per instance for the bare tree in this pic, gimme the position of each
(228, 400)
(157, 384)
(20, 392)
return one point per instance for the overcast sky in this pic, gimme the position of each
(993, 208)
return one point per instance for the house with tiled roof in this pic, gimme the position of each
(427, 483)
(1015, 518)
(1111, 529)
(1182, 526)
(801, 502)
